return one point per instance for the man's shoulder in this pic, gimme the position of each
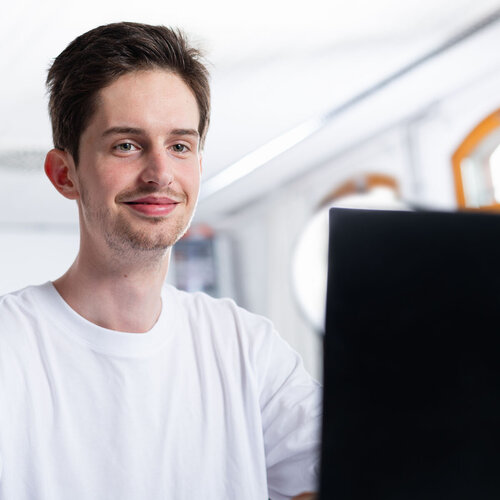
(202, 305)
(198, 300)
(22, 297)
(221, 320)
(22, 305)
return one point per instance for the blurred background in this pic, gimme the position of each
(367, 103)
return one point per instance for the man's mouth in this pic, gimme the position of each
(152, 200)
(152, 205)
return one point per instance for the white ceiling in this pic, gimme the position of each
(274, 63)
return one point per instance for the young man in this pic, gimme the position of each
(113, 385)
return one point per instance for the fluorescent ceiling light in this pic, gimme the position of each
(260, 156)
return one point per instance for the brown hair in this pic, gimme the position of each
(97, 58)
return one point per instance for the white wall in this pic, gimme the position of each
(34, 256)
(38, 229)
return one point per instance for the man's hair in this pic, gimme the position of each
(97, 58)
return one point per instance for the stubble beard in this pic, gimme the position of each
(125, 240)
(121, 236)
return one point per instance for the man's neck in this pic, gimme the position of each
(124, 296)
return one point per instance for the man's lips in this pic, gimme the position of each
(152, 200)
(155, 206)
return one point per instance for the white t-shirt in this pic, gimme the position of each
(209, 404)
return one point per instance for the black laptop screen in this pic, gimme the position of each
(412, 357)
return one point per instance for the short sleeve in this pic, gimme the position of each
(291, 415)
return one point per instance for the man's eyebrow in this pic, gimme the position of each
(123, 130)
(140, 131)
(185, 131)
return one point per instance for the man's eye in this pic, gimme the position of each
(180, 148)
(126, 147)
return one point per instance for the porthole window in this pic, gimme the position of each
(476, 166)
(310, 256)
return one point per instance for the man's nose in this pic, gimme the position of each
(159, 168)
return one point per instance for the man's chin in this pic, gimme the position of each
(137, 241)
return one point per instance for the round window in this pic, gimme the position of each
(310, 256)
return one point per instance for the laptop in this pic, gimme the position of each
(412, 357)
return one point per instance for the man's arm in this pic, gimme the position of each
(291, 418)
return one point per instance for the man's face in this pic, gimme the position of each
(138, 176)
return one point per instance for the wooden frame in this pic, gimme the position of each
(469, 144)
(360, 184)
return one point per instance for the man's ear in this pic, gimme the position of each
(60, 169)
